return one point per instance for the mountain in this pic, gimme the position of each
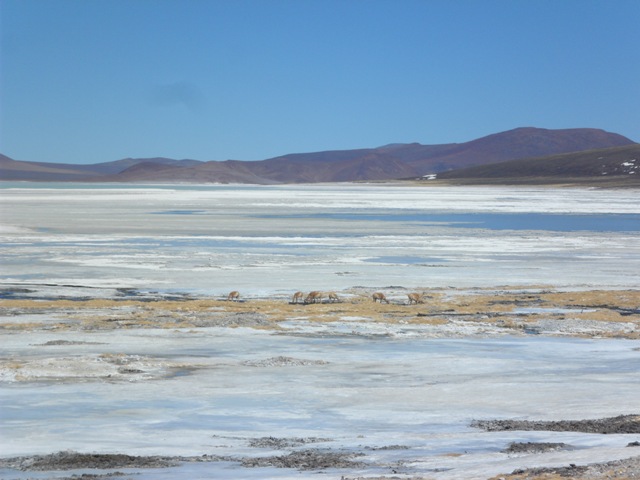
(112, 168)
(35, 171)
(517, 144)
(616, 165)
(393, 161)
(62, 172)
(230, 171)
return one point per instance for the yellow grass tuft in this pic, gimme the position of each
(439, 307)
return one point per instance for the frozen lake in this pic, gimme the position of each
(403, 404)
(265, 240)
(406, 403)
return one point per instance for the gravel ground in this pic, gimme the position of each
(620, 469)
(619, 424)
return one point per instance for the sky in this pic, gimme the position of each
(88, 81)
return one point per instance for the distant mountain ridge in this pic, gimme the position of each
(394, 161)
(614, 166)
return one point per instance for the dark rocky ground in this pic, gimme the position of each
(296, 454)
(626, 469)
(618, 469)
(619, 424)
(306, 459)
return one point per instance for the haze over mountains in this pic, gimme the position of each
(395, 161)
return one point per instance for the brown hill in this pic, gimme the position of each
(345, 166)
(112, 168)
(616, 165)
(62, 172)
(517, 144)
(34, 171)
(209, 172)
(383, 163)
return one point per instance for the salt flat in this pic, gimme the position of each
(518, 325)
(265, 240)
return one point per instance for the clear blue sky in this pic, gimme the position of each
(87, 81)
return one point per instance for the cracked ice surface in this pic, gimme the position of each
(262, 240)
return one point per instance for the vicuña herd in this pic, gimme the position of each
(318, 297)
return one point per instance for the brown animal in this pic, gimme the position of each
(235, 295)
(297, 297)
(415, 298)
(313, 297)
(333, 297)
(379, 297)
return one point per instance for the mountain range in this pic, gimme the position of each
(395, 161)
(611, 167)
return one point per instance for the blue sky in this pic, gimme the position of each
(87, 81)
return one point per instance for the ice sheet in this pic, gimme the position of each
(263, 240)
(360, 394)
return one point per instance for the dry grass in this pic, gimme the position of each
(480, 306)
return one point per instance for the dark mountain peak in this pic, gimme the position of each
(616, 166)
(561, 138)
(524, 142)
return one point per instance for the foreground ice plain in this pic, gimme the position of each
(403, 400)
